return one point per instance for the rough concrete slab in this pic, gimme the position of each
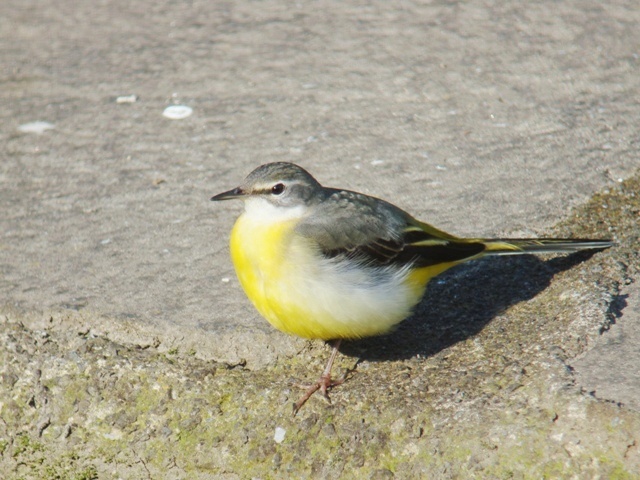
(477, 386)
(610, 369)
(482, 118)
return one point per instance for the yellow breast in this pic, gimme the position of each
(259, 254)
(302, 293)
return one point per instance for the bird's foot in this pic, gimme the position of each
(324, 384)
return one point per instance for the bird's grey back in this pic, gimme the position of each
(346, 220)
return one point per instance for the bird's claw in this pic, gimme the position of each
(324, 384)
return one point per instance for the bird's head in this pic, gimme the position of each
(281, 187)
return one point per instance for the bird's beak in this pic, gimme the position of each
(229, 195)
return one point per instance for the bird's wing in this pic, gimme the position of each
(378, 233)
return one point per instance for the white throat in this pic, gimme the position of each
(263, 211)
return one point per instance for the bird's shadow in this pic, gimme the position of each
(459, 303)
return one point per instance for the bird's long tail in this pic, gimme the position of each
(541, 245)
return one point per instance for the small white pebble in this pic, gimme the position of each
(36, 127)
(278, 436)
(105, 241)
(377, 162)
(127, 99)
(225, 280)
(177, 112)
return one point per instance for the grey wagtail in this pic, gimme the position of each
(331, 264)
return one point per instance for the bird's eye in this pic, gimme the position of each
(277, 189)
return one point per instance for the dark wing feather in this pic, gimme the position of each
(375, 232)
(430, 251)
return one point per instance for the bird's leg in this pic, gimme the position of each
(324, 383)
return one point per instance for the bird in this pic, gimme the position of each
(332, 264)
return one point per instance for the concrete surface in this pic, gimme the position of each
(483, 118)
(610, 369)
